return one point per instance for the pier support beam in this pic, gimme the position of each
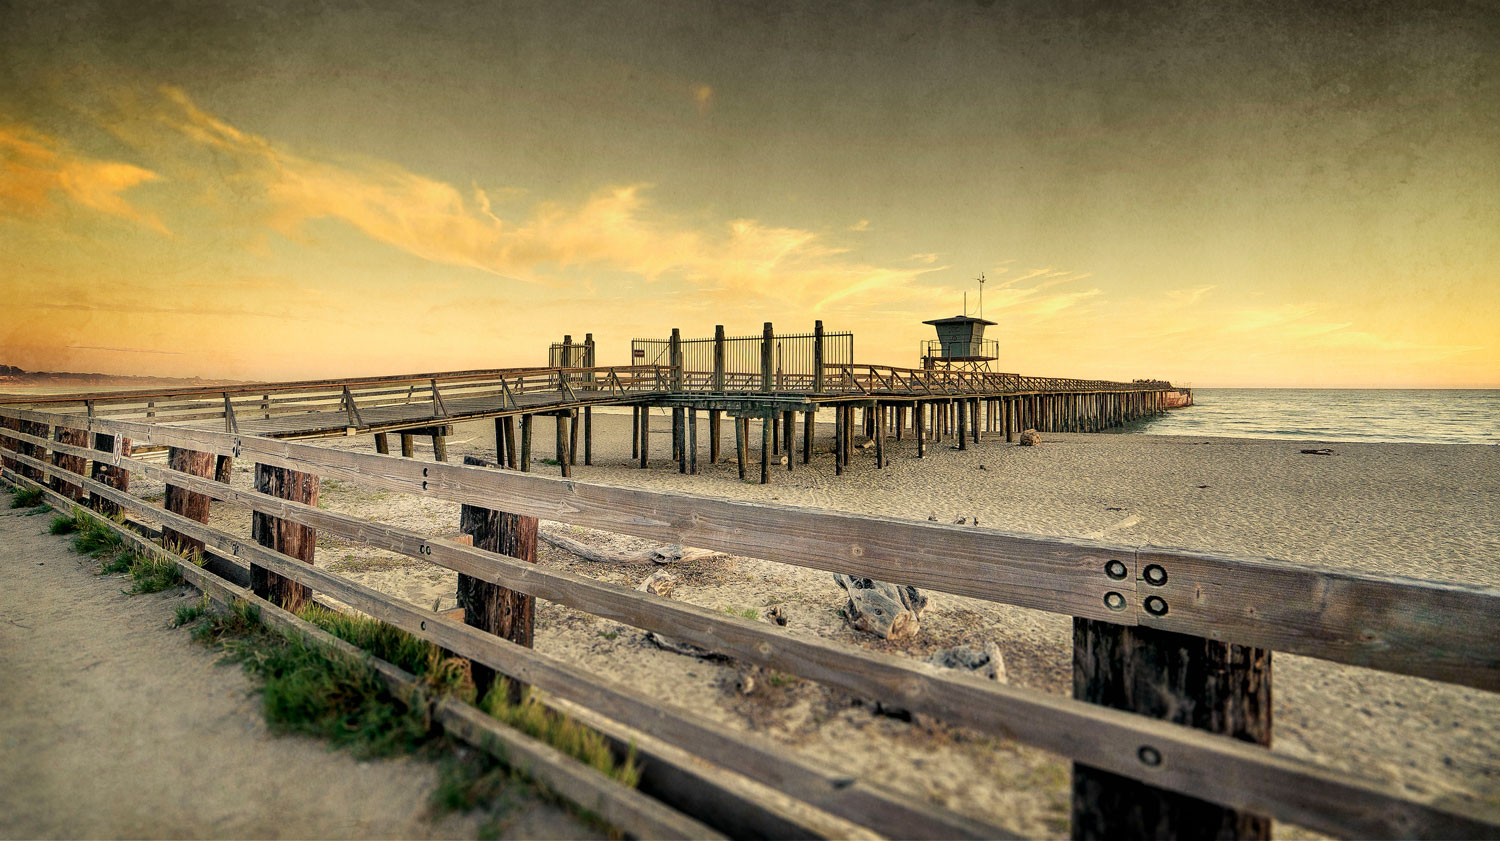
(715, 418)
(526, 421)
(572, 438)
(767, 427)
(838, 439)
(563, 460)
(408, 446)
(789, 437)
(382, 443)
(741, 449)
(635, 432)
(645, 437)
(692, 441)
(510, 441)
(963, 421)
(808, 425)
(918, 416)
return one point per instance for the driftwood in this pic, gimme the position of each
(890, 611)
(671, 554)
(662, 583)
(985, 662)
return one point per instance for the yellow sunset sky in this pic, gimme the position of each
(1237, 195)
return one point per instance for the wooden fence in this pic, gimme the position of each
(1144, 596)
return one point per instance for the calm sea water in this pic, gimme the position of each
(1405, 416)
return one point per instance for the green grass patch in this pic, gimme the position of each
(26, 498)
(97, 540)
(150, 574)
(442, 674)
(310, 689)
(63, 525)
(534, 719)
(187, 614)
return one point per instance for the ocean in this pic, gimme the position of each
(1416, 416)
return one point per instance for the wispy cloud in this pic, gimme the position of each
(38, 172)
(618, 229)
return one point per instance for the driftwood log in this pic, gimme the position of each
(986, 662)
(671, 554)
(890, 611)
(662, 583)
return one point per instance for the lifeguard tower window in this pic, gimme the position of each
(960, 342)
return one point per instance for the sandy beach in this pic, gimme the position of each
(1427, 511)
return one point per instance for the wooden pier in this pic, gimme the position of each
(876, 402)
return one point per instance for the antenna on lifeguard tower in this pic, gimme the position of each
(981, 296)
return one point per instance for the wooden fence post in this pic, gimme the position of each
(115, 477)
(9, 444)
(1209, 685)
(76, 464)
(36, 429)
(490, 607)
(288, 538)
(183, 501)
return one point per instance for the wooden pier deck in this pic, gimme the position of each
(927, 404)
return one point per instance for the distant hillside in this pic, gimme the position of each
(10, 375)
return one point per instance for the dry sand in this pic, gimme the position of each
(1430, 511)
(117, 726)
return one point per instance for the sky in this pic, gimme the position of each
(1260, 194)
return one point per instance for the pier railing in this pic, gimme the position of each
(1434, 630)
(311, 408)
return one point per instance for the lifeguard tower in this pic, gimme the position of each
(960, 345)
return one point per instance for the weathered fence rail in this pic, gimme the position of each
(1429, 629)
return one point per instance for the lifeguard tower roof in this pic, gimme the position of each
(958, 319)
